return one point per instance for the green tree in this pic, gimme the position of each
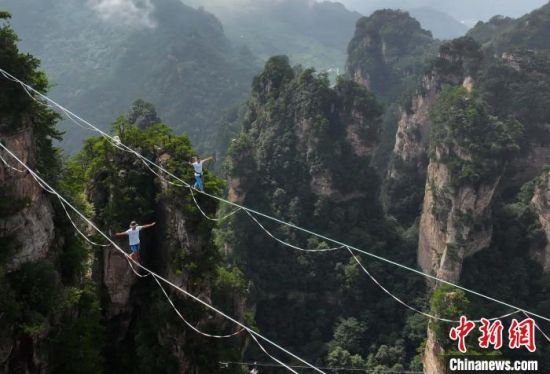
(143, 114)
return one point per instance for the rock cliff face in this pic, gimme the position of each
(407, 171)
(406, 176)
(26, 235)
(541, 205)
(468, 150)
(414, 126)
(432, 353)
(455, 182)
(31, 227)
(452, 222)
(44, 293)
(118, 280)
(445, 203)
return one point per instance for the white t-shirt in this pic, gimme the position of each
(198, 168)
(133, 235)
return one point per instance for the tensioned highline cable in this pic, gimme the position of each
(261, 364)
(11, 167)
(252, 333)
(78, 229)
(270, 356)
(189, 324)
(308, 250)
(538, 328)
(289, 244)
(373, 278)
(365, 270)
(380, 258)
(129, 262)
(206, 215)
(284, 243)
(117, 144)
(219, 219)
(53, 192)
(132, 267)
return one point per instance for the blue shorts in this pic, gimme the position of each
(134, 248)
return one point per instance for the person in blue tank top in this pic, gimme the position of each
(197, 166)
(133, 237)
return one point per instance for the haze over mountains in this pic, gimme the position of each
(196, 63)
(469, 11)
(310, 33)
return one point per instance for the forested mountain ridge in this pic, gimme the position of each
(469, 147)
(502, 34)
(304, 156)
(388, 52)
(174, 56)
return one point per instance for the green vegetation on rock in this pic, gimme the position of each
(473, 144)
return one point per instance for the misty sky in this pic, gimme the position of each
(469, 11)
(459, 9)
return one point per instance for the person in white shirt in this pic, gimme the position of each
(133, 237)
(197, 166)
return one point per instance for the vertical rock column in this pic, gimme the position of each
(541, 205)
(31, 225)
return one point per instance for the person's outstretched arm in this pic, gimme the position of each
(148, 225)
(124, 233)
(208, 159)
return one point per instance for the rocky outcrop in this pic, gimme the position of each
(362, 145)
(30, 220)
(461, 181)
(414, 126)
(181, 239)
(432, 358)
(541, 205)
(118, 280)
(452, 223)
(407, 171)
(406, 175)
(27, 230)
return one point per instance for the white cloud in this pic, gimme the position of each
(127, 12)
